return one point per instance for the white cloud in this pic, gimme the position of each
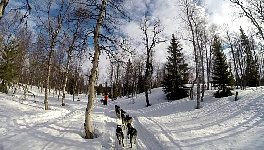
(169, 14)
(220, 12)
(214, 6)
(223, 13)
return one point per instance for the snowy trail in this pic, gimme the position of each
(64, 123)
(146, 139)
(214, 116)
(217, 120)
(57, 123)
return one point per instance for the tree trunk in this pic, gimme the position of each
(112, 84)
(196, 58)
(65, 83)
(3, 5)
(66, 73)
(89, 131)
(41, 86)
(147, 82)
(240, 63)
(191, 92)
(201, 65)
(198, 95)
(234, 59)
(208, 67)
(47, 81)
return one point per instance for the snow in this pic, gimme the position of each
(220, 123)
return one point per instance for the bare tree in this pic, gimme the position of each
(254, 11)
(106, 13)
(152, 30)
(201, 38)
(134, 76)
(89, 131)
(37, 62)
(231, 43)
(51, 26)
(4, 3)
(75, 40)
(211, 33)
(116, 73)
(193, 19)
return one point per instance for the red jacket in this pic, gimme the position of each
(106, 97)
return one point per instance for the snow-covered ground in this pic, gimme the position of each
(219, 124)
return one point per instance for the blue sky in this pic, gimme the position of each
(219, 12)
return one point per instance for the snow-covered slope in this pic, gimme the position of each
(219, 124)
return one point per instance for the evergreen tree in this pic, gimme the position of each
(176, 72)
(140, 84)
(251, 70)
(128, 79)
(8, 65)
(221, 75)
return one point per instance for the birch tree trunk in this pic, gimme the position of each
(89, 130)
(67, 70)
(234, 58)
(112, 83)
(208, 65)
(203, 80)
(198, 94)
(47, 81)
(53, 35)
(193, 27)
(49, 72)
(65, 81)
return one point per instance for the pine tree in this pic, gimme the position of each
(176, 72)
(251, 71)
(128, 79)
(221, 75)
(8, 65)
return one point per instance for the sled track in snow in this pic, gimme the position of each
(241, 128)
(230, 111)
(29, 102)
(207, 114)
(222, 112)
(229, 122)
(215, 106)
(145, 137)
(67, 116)
(60, 118)
(217, 113)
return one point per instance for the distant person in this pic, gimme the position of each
(15, 91)
(105, 99)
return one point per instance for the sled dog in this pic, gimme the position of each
(120, 135)
(131, 134)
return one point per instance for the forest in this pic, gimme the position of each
(47, 43)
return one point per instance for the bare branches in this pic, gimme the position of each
(26, 6)
(196, 25)
(152, 30)
(253, 10)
